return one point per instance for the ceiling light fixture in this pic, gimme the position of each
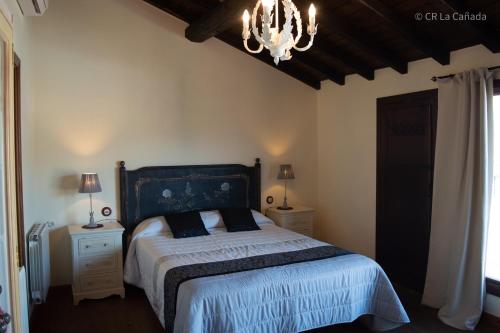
(279, 43)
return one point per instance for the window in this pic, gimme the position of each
(493, 248)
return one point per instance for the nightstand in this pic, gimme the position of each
(299, 219)
(97, 261)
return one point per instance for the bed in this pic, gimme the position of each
(267, 280)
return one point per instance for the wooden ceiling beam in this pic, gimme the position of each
(323, 46)
(221, 19)
(306, 59)
(170, 8)
(408, 31)
(218, 20)
(292, 68)
(485, 34)
(345, 30)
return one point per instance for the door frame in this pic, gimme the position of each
(21, 243)
(6, 34)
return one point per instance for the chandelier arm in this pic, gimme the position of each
(276, 11)
(311, 31)
(286, 35)
(267, 22)
(255, 30)
(245, 43)
(298, 21)
(267, 33)
(308, 46)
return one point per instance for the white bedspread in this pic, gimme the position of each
(289, 298)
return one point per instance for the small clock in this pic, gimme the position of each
(269, 200)
(106, 211)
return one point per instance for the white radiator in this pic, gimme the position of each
(39, 262)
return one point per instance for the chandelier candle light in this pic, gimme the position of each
(279, 43)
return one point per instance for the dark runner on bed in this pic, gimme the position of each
(177, 275)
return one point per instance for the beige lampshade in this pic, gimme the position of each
(90, 183)
(286, 172)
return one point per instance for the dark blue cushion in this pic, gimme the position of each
(187, 224)
(238, 219)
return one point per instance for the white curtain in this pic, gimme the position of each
(463, 175)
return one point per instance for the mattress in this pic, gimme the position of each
(290, 298)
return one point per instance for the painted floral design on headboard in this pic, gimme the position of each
(167, 194)
(182, 200)
(164, 195)
(223, 194)
(225, 187)
(178, 201)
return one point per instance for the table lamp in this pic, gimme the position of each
(286, 173)
(90, 184)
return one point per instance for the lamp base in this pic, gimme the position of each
(93, 226)
(285, 208)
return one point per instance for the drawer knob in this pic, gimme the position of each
(105, 244)
(87, 246)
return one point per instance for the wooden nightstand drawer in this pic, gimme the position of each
(296, 223)
(98, 263)
(98, 282)
(87, 246)
(303, 231)
(299, 219)
(305, 217)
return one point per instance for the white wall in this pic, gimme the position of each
(347, 144)
(117, 80)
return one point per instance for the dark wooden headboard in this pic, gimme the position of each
(160, 190)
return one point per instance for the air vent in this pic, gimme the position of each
(33, 7)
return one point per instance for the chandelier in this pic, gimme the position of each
(279, 43)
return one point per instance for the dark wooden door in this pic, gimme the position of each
(406, 135)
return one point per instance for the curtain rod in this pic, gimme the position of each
(435, 78)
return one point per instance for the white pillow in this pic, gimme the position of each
(261, 218)
(158, 224)
(152, 226)
(212, 219)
